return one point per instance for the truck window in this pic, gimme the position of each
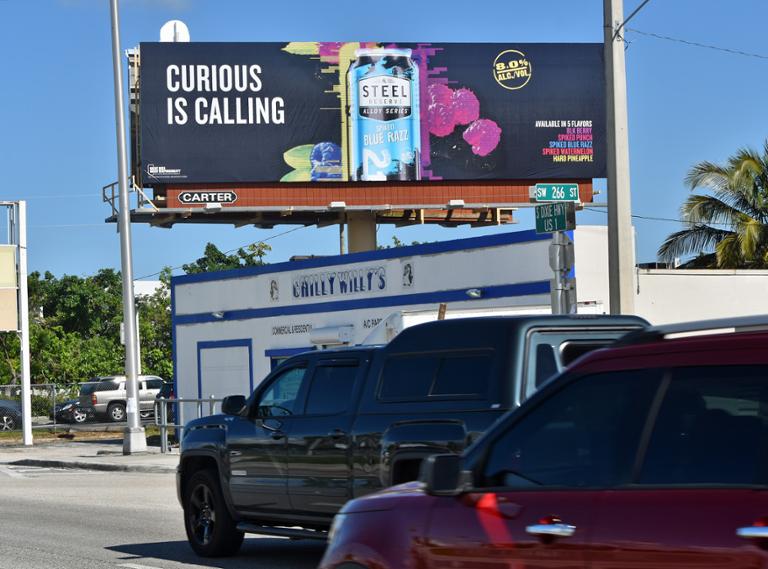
(546, 363)
(463, 375)
(571, 351)
(280, 397)
(550, 350)
(408, 378)
(331, 389)
(436, 376)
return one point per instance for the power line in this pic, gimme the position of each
(697, 44)
(230, 251)
(61, 196)
(67, 225)
(668, 219)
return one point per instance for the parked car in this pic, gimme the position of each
(652, 453)
(167, 392)
(106, 396)
(71, 411)
(331, 425)
(10, 415)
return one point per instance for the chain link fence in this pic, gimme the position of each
(54, 406)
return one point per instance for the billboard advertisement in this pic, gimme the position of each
(235, 113)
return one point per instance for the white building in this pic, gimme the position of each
(230, 328)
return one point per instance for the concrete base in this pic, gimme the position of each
(134, 440)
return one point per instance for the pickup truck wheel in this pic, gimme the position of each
(211, 531)
(116, 412)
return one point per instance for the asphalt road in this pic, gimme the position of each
(87, 520)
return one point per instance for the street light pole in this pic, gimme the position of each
(134, 439)
(621, 251)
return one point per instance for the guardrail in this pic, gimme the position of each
(161, 415)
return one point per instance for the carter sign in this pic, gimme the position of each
(204, 197)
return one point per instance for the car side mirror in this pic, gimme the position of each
(442, 475)
(233, 404)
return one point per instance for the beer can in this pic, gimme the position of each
(384, 123)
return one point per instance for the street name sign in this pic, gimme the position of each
(556, 193)
(555, 217)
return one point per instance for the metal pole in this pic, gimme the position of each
(621, 253)
(563, 288)
(134, 438)
(212, 405)
(558, 283)
(342, 237)
(163, 425)
(26, 398)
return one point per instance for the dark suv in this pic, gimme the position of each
(650, 454)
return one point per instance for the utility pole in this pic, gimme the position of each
(20, 209)
(134, 438)
(621, 253)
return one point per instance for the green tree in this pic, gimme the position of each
(396, 242)
(727, 228)
(214, 259)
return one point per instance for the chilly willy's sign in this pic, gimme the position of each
(313, 112)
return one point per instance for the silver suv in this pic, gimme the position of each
(107, 396)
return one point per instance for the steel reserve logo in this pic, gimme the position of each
(512, 70)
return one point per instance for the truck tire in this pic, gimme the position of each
(116, 412)
(211, 531)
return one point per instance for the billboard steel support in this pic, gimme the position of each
(621, 255)
(361, 230)
(134, 439)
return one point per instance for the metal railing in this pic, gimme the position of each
(162, 406)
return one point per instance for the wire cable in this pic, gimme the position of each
(667, 219)
(697, 44)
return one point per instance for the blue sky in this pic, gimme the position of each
(57, 137)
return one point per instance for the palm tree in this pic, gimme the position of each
(727, 229)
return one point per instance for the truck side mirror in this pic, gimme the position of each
(233, 404)
(442, 475)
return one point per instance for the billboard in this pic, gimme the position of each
(240, 113)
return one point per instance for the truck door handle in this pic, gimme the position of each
(337, 434)
(551, 530)
(753, 532)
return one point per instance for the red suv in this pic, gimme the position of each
(650, 454)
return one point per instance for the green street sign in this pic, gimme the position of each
(557, 193)
(555, 217)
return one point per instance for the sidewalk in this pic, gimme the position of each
(97, 455)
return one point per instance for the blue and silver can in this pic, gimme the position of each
(384, 120)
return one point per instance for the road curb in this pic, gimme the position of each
(79, 465)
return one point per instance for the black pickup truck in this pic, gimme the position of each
(331, 425)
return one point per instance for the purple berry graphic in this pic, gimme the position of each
(466, 107)
(440, 119)
(483, 135)
(439, 93)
